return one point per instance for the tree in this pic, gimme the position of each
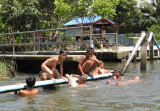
(47, 9)
(151, 11)
(63, 11)
(155, 29)
(20, 15)
(127, 14)
(105, 8)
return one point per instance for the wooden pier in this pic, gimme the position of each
(72, 56)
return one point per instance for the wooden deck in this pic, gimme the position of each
(72, 56)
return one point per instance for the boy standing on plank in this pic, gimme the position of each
(88, 63)
(50, 64)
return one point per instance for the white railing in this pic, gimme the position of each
(40, 40)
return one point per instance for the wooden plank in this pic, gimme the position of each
(16, 87)
(98, 43)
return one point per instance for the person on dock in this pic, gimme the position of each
(117, 75)
(88, 63)
(81, 80)
(50, 64)
(30, 81)
(134, 80)
(100, 69)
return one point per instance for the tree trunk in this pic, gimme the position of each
(57, 31)
(51, 24)
(117, 25)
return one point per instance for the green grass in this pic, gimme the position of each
(6, 68)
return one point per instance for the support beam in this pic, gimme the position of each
(151, 52)
(151, 44)
(144, 54)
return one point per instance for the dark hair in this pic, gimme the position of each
(117, 70)
(41, 72)
(84, 77)
(90, 49)
(30, 81)
(62, 51)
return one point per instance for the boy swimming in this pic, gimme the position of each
(88, 62)
(30, 81)
(134, 80)
(81, 80)
(117, 75)
(44, 76)
(100, 69)
(50, 64)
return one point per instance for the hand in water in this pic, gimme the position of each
(54, 80)
(117, 83)
(90, 75)
(64, 78)
(18, 83)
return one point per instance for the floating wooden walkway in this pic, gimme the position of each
(16, 87)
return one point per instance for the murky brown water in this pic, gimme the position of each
(97, 96)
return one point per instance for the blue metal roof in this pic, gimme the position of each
(87, 20)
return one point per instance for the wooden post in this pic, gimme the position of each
(59, 43)
(90, 35)
(144, 54)
(34, 45)
(13, 44)
(151, 42)
(151, 55)
(116, 42)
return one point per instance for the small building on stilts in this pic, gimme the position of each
(100, 26)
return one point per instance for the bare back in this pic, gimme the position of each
(50, 64)
(28, 93)
(52, 61)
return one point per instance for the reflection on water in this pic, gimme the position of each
(97, 95)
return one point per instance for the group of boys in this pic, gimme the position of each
(88, 66)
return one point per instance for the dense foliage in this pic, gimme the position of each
(151, 11)
(23, 15)
(156, 30)
(127, 14)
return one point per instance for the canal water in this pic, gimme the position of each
(97, 96)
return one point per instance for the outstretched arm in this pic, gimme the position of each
(69, 79)
(109, 82)
(74, 75)
(61, 68)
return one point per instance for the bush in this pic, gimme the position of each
(130, 35)
(7, 68)
(156, 30)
